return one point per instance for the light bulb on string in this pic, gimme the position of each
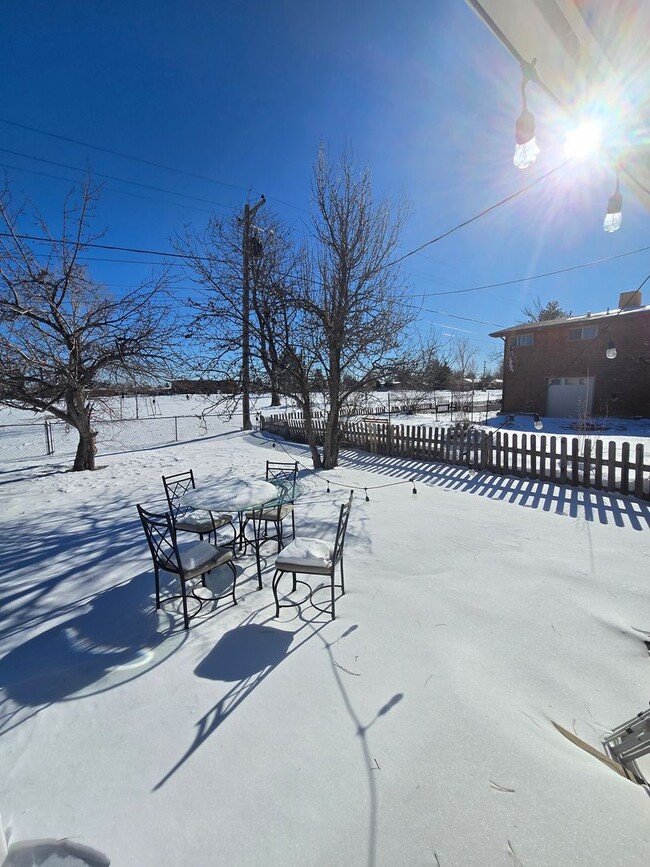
(328, 487)
(610, 352)
(415, 490)
(538, 423)
(526, 147)
(367, 497)
(614, 217)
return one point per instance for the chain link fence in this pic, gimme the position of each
(39, 439)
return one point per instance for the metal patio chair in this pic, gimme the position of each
(284, 476)
(309, 556)
(188, 560)
(192, 520)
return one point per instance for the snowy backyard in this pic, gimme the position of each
(416, 728)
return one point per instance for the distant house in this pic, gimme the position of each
(203, 386)
(596, 364)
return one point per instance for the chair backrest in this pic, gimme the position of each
(285, 475)
(177, 486)
(344, 515)
(161, 536)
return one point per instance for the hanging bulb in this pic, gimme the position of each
(328, 486)
(526, 150)
(614, 217)
(539, 424)
(367, 497)
(415, 490)
(610, 352)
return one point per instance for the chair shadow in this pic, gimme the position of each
(245, 656)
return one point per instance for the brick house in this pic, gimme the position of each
(560, 368)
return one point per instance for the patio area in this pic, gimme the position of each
(416, 728)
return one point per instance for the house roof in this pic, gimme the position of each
(571, 320)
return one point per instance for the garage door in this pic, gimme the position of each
(569, 396)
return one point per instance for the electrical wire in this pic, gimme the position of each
(477, 216)
(112, 189)
(536, 276)
(115, 178)
(126, 156)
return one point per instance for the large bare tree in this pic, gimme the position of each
(62, 335)
(351, 296)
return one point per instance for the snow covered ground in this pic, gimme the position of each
(416, 728)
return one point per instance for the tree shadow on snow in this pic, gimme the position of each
(115, 636)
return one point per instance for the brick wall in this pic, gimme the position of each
(621, 385)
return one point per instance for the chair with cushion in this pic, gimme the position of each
(188, 560)
(284, 476)
(192, 520)
(310, 556)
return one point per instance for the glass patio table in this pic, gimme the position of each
(241, 496)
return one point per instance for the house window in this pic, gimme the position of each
(587, 332)
(522, 340)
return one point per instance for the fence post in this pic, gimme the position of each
(175, 428)
(49, 439)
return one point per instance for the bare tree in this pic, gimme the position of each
(61, 334)
(215, 263)
(350, 300)
(463, 355)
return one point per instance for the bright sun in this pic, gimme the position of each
(583, 140)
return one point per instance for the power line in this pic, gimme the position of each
(478, 216)
(537, 276)
(102, 246)
(114, 178)
(146, 162)
(112, 189)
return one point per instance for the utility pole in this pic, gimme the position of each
(246, 319)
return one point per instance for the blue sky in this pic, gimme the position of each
(244, 92)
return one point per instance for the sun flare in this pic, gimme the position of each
(584, 140)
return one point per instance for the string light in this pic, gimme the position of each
(367, 497)
(610, 352)
(614, 217)
(539, 424)
(328, 487)
(526, 148)
(415, 490)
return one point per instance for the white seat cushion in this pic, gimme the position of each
(200, 522)
(272, 513)
(306, 555)
(199, 557)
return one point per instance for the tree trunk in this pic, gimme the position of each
(331, 439)
(79, 413)
(86, 450)
(310, 432)
(275, 393)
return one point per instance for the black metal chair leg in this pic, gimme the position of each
(234, 580)
(294, 582)
(293, 523)
(259, 564)
(157, 579)
(342, 579)
(276, 580)
(333, 593)
(186, 618)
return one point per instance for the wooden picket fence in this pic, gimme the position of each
(580, 461)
